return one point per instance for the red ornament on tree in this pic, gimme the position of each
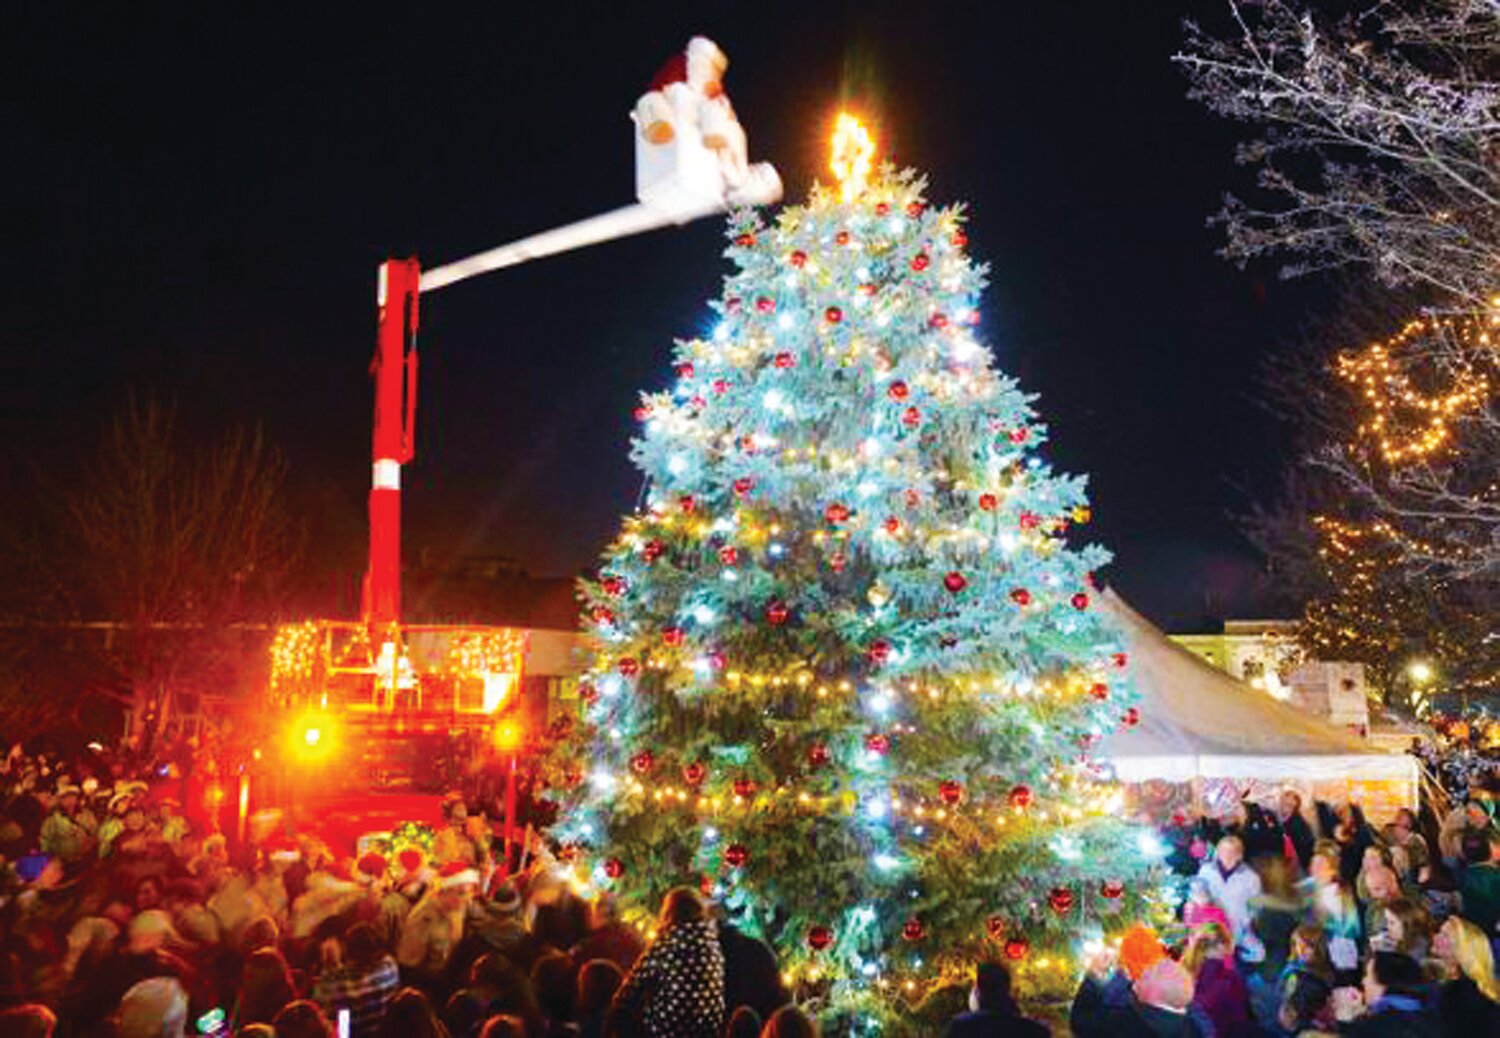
(911, 418)
(1019, 436)
(729, 555)
(878, 743)
(685, 370)
(1061, 900)
(836, 513)
(734, 304)
(716, 660)
(743, 485)
(938, 320)
(951, 792)
(988, 502)
(1099, 690)
(882, 208)
(642, 413)
(1080, 601)
(652, 549)
(880, 650)
(833, 315)
(818, 755)
(766, 305)
(1112, 889)
(841, 238)
(784, 361)
(1120, 660)
(613, 585)
(603, 615)
(1016, 948)
(914, 209)
(1029, 521)
(995, 926)
(1019, 796)
(919, 262)
(1020, 596)
(721, 386)
(687, 503)
(745, 787)
(837, 561)
(673, 635)
(798, 258)
(892, 524)
(614, 868)
(819, 937)
(777, 612)
(1132, 718)
(643, 762)
(736, 854)
(898, 390)
(958, 239)
(630, 666)
(913, 929)
(745, 241)
(955, 582)
(589, 694)
(694, 773)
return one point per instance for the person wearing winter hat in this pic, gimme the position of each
(432, 932)
(371, 868)
(154, 1008)
(62, 836)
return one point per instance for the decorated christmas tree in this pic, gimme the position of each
(848, 669)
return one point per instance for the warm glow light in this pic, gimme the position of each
(508, 735)
(312, 736)
(851, 156)
(1420, 671)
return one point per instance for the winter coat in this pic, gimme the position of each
(751, 976)
(1233, 892)
(1465, 1011)
(1221, 994)
(429, 936)
(1300, 833)
(676, 989)
(1386, 1021)
(986, 1024)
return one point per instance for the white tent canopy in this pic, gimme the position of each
(1198, 722)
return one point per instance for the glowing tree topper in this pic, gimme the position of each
(848, 669)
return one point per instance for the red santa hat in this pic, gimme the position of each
(457, 874)
(372, 866)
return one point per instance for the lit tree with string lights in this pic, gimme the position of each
(848, 668)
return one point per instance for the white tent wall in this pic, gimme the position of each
(1203, 730)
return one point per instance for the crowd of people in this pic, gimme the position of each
(1314, 922)
(122, 916)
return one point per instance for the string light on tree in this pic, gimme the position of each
(903, 658)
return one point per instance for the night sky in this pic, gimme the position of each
(198, 197)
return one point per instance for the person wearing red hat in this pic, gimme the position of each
(436, 925)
